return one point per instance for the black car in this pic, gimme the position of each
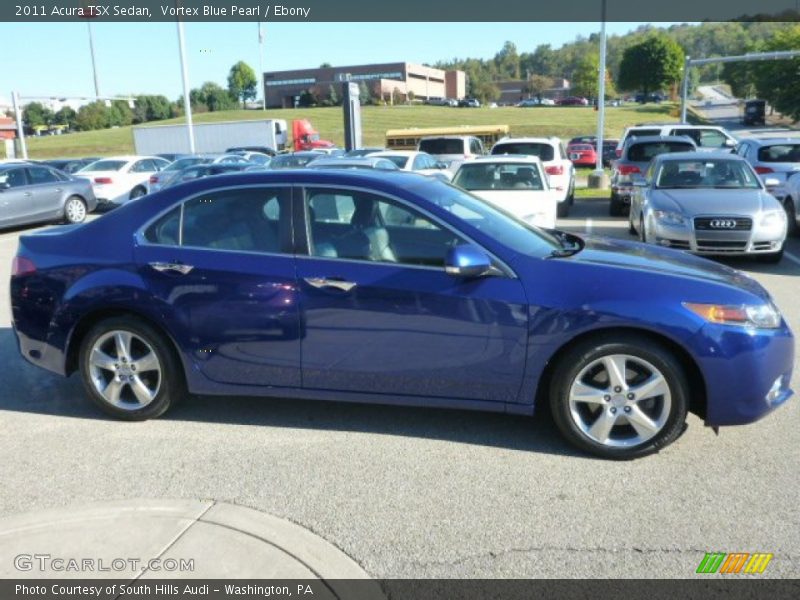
(263, 149)
(754, 112)
(206, 170)
(67, 165)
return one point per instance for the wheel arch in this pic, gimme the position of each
(698, 396)
(91, 318)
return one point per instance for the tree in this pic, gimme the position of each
(363, 93)
(92, 116)
(151, 108)
(306, 99)
(216, 97)
(333, 97)
(651, 65)
(242, 82)
(325, 65)
(537, 85)
(584, 78)
(776, 80)
(36, 114)
(119, 114)
(507, 62)
(197, 100)
(65, 116)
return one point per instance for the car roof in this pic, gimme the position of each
(771, 141)
(504, 158)
(530, 140)
(658, 138)
(387, 153)
(446, 137)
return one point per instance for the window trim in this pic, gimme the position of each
(306, 227)
(140, 239)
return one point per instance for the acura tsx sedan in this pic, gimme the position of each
(388, 287)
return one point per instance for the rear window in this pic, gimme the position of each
(544, 151)
(643, 132)
(646, 151)
(499, 176)
(105, 165)
(780, 153)
(442, 146)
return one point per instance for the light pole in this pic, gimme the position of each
(94, 63)
(261, 66)
(20, 129)
(187, 105)
(598, 177)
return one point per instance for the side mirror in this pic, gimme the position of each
(771, 182)
(730, 143)
(467, 260)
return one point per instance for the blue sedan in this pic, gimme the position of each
(393, 288)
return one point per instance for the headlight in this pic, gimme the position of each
(759, 316)
(773, 218)
(670, 218)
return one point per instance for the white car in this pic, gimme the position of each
(516, 184)
(707, 138)
(117, 179)
(553, 155)
(417, 162)
(451, 148)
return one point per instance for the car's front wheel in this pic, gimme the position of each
(619, 398)
(137, 192)
(129, 369)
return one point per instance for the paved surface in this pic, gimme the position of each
(724, 111)
(418, 492)
(145, 539)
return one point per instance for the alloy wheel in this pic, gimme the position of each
(75, 210)
(125, 369)
(620, 401)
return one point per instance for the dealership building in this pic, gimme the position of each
(283, 88)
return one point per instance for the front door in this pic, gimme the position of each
(227, 277)
(381, 315)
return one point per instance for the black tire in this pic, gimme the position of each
(137, 192)
(772, 258)
(631, 228)
(791, 215)
(170, 385)
(642, 231)
(615, 207)
(562, 210)
(70, 216)
(576, 359)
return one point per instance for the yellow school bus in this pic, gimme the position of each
(408, 139)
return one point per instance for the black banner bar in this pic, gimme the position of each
(403, 11)
(700, 588)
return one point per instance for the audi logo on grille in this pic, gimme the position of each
(723, 224)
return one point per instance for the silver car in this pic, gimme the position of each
(707, 203)
(31, 193)
(772, 158)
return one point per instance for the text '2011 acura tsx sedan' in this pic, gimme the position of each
(394, 288)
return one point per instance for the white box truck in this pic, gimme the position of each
(210, 137)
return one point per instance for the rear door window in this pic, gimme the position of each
(646, 151)
(442, 146)
(780, 153)
(38, 176)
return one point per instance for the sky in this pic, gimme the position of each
(53, 59)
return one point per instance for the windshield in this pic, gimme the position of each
(105, 165)
(399, 161)
(646, 151)
(544, 151)
(714, 173)
(499, 176)
(490, 220)
(288, 161)
(182, 163)
(442, 146)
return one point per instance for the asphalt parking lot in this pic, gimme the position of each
(419, 492)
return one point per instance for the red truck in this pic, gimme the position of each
(305, 137)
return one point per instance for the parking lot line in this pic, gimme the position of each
(589, 225)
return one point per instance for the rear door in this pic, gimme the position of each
(221, 265)
(47, 190)
(381, 316)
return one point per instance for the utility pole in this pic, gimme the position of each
(187, 105)
(598, 177)
(94, 63)
(261, 66)
(20, 130)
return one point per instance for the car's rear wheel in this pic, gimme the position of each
(619, 398)
(616, 208)
(137, 192)
(129, 369)
(562, 210)
(75, 210)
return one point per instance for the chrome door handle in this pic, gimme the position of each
(165, 267)
(322, 282)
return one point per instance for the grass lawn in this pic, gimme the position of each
(592, 194)
(564, 122)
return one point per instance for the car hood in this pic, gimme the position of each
(636, 256)
(699, 201)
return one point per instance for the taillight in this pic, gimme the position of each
(103, 180)
(763, 170)
(153, 179)
(22, 266)
(554, 170)
(628, 169)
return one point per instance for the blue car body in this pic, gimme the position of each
(246, 323)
